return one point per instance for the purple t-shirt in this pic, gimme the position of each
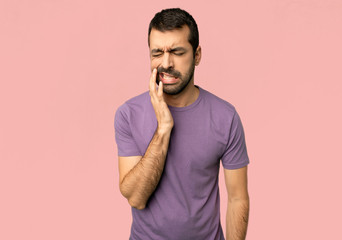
(186, 202)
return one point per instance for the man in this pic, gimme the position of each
(171, 140)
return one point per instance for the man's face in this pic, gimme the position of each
(172, 55)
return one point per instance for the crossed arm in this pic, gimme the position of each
(139, 176)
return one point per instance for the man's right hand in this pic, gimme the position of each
(163, 114)
(140, 175)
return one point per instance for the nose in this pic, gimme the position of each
(167, 61)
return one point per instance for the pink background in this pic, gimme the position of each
(65, 67)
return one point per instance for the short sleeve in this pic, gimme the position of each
(123, 136)
(235, 155)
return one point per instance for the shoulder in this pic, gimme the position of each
(136, 104)
(218, 106)
(134, 108)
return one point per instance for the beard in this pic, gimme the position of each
(174, 89)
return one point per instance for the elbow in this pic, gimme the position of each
(238, 198)
(132, 200)
(136, 204)
(244, 201)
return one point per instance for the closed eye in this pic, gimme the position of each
(156, 54)
(178, 53)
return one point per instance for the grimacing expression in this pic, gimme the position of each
(172, 55)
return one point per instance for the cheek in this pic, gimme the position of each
(154, 64)
(185, 65)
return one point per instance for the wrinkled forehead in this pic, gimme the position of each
(170, 39)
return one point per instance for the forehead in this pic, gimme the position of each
(169, 39)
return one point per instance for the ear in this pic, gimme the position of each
(198, 55)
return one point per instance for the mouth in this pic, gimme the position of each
(167, 78)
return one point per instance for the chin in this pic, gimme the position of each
(175, 89)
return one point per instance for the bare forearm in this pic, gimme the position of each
(138, 185)
(237, 219)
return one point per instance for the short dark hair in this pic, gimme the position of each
(175, 18)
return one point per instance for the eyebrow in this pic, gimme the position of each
(158, 50)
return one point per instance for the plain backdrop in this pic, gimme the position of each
(66, 66)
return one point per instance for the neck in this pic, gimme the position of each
(184, 98)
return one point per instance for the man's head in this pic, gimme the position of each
(175, 18)
(174, 48)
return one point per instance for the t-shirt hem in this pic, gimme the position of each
(129, 154)
(235, 166)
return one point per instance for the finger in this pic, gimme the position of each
(160, 89)
(153, 81)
